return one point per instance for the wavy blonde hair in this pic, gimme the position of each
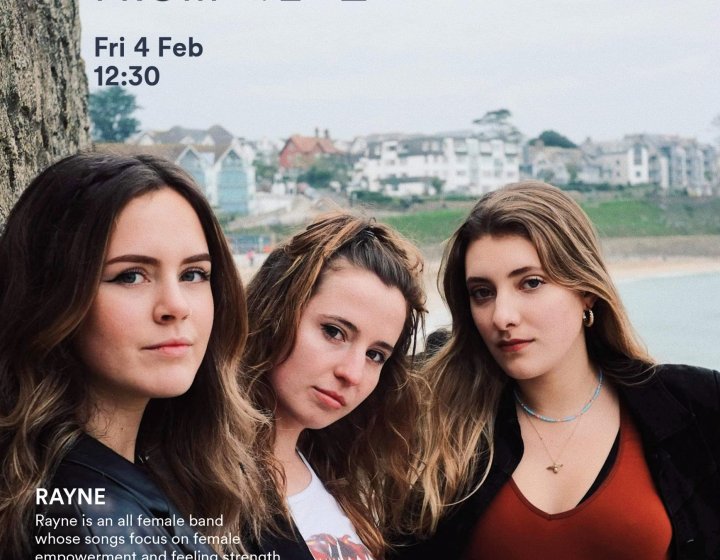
(465, 380)
(51, 258)
(364, 458)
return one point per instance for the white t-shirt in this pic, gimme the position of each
(327, 531)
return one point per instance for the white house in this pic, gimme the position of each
(459, 162)
(622, 162)
(680, 163)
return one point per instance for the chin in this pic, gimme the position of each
(170, 392)
(320, 424)
(521, 374)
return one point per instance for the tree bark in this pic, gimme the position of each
(43, 91)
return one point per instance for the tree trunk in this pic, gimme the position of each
(43, 91)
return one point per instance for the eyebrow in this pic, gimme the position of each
(351, 327)
(517, 272)
(144, 259)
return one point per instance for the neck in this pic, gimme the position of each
(297, 475)
(116, 426)
(558, 395)
(286, 439)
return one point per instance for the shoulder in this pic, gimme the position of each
(90, 466)
(684, 372)
(94, 483)
(693, 386)
(133, 514)
(81, 512)
(83, 492)
(673, 398)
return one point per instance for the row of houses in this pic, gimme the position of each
(670, 162)
(224, 164)
(466, 162)
(417, 165)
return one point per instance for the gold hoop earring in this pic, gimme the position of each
(588, 318)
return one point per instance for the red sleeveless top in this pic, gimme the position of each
(623, 519)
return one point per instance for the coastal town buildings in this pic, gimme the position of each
(670, 162)
(680, 163)
(621, 162)
(419, 165)
(402, 165)
(558, 165)
(299, 152)
(221, 163)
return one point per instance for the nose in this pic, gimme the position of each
(506, 312)
(350, 368)
(171, 303)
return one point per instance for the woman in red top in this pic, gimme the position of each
(552, 433)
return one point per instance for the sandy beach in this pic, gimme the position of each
(632, 258)
(635, 268)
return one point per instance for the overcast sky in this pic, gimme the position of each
(599, 68)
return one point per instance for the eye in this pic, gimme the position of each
(195, 275)
(332, 332)
(376, 356)
(481, 293)
(532, 283)
(129, 277)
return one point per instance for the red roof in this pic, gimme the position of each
(313, 144)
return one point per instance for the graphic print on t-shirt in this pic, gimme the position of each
(320, 520)
(328, 547)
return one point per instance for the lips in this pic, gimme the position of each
(514, 344)
(330, 398)
(174, 347)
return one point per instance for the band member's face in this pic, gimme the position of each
(149, 325)
(531, 325)
(347, 332)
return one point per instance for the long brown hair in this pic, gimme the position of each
(466, 381)
(363, 459)
(51, 258)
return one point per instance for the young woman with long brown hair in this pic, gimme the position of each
(122, 323)
(553, 434)
(333, 314)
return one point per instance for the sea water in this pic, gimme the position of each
(677, 317)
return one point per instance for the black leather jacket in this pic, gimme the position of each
(677, 412)
(290, 545)
(129, 495)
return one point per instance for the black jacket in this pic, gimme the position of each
(677, 412)
(128, 492)
(290, 545)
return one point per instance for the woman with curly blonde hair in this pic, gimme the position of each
(333, 314)
(123, 322)
(552, 433)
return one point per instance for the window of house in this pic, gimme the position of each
(637, 154)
